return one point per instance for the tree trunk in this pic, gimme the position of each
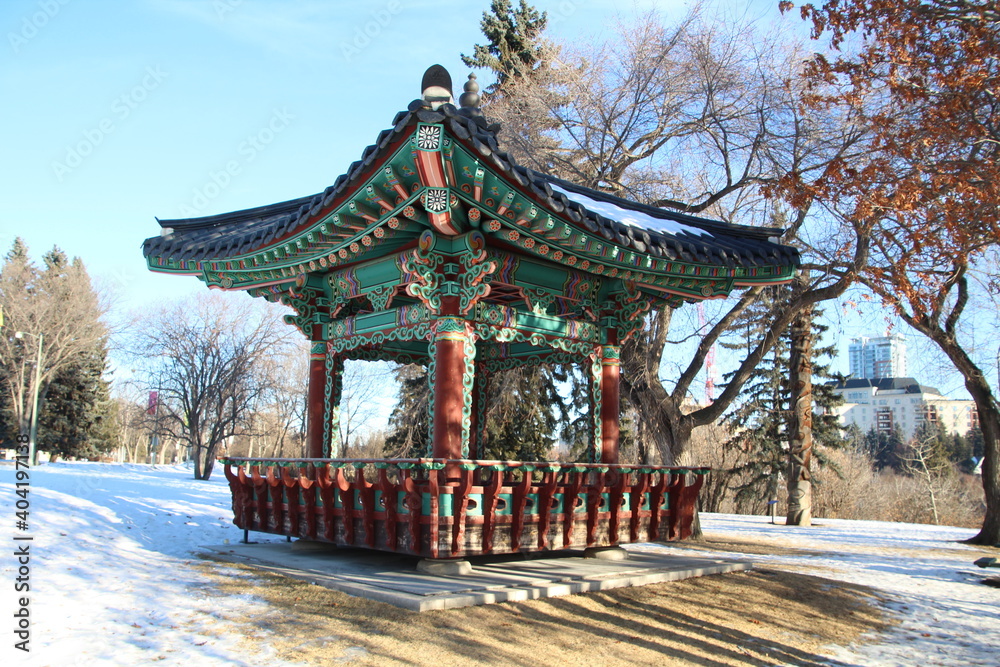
(800, 424)
(989, 422)
(989, 416)
(208, 467)
(662, 421)
(197, 460)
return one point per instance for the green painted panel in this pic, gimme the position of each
(535, 274)
(374, 321)
(475, 505)
(503, 505)
(542, 324)
(380, 272)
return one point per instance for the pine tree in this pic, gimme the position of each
(524, 414)
(883, 447)
(408, 423)
(514, 47)
(760, 421)
(73, 394)
(975, 438)
(77, 399)
(959, 450)
(77, 402)
(528, 87)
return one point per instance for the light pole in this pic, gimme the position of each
(34, 394)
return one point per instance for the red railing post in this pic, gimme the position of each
(491, 497)
(459, 504)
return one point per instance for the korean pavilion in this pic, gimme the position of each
(436, 248)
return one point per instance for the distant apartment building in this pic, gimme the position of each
(887, 403)
(878, 357)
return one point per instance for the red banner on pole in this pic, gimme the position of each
(153, 403)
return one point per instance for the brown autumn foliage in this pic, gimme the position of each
(925, 77)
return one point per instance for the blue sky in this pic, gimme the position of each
(116, 112)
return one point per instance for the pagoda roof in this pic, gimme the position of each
(657, 232)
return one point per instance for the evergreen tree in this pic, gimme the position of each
(528, 87)
(514, 48)
(524, 413)
(73, 397)
(959, 450)
(976, 442)
(883, 447)
(760, 421)
(77, 403)
(854, 437)
(576, 430)
(408, 423)
(77, 399)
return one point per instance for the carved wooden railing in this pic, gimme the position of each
(449, 508)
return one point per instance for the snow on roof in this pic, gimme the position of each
(628, 216)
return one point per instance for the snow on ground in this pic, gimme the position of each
(113, 582)
(944, 615)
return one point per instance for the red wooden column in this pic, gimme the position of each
(477, 413)
(610, 402)
(316, 412)
(452, 382)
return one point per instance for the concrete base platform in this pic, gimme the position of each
(394, 578)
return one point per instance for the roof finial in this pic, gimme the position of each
(436, 86)
(470, 98)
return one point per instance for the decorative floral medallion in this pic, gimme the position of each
(436, 200)
(428, 137)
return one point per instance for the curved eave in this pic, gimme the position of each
(241, 236)
(731, 244)
(269, 245)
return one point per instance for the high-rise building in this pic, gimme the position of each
(879, 357)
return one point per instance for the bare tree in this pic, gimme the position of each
(919, 461)
(209, 357)
(133, 426)
(708, 447)
(363, 381)
(280, 421)
(370, 445)
(701, 117)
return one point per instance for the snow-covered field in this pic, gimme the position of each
(112, 580)
(945, 615)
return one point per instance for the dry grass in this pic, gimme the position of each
(762, 617)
